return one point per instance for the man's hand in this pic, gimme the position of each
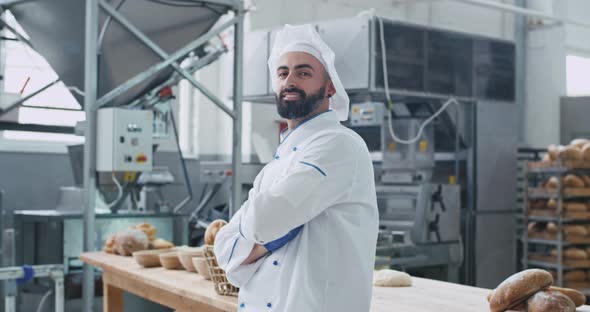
(257, 252)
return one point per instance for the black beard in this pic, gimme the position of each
(301, 107)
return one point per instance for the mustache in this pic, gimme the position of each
(292, 90)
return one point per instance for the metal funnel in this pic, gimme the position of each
(56, 30)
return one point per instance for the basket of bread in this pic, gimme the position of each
(533, 291)
(217, 274)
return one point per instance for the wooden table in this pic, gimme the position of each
(185, 291)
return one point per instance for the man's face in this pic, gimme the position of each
(302, 82)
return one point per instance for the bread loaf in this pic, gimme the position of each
(551, 228)
(577, 297)
(552, 183)
(109, 244)
(572, 254)
(552, 204)
(550, 301)
(552, 152)
(586, 152)
(159, 243)
(586, 180)
(212, 230)
(518, 288)
(570, 153)
(575, 207)
(579, 143)
(148, 229)
(574, 181)
(574, 276)
(130, 240)
(577, 230)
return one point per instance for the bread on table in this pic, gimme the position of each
(578, 298)
(148, 229)
(129, 241)
(550, 301)
(160, 243)
(212, 230)
(518, 288)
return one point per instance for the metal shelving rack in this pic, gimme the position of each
(536, 175)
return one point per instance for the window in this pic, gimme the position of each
(26, 71)
(577, 69)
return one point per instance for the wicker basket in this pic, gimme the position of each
(222, 285)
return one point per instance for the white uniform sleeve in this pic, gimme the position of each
(231, 248)
(322, 177)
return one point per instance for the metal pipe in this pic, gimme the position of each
(158, 67)
(26, 98)
(16, 33)
(236, 192)
(59, 293)
(152, 45)
(522, 11)
(90, 99)
(520, 38)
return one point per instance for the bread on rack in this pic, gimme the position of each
(579, 142)
(571, 180)
(570, 153)
(575, 230)
(571, 254)
(552, 228)
(552, 152)
(552, 183)
(571, 276)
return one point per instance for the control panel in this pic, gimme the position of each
(124, 140)
(215, 172)
(366, 114)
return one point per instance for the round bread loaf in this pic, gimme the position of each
(572, 254)
(518, 288)
(577, 297)
(391, 278)
(586, 178)
(552, 227)
(212, 230)
(552, 151)
(574, 181)
(575, 207)
(576, 230)
(552, 204)
(552, 183)
(570, 153)
(550, 301)
(579, 143)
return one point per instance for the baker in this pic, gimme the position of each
(305, 239)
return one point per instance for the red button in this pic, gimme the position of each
(141, 158)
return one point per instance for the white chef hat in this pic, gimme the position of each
(305, 38)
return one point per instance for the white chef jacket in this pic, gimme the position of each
(322, 178)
